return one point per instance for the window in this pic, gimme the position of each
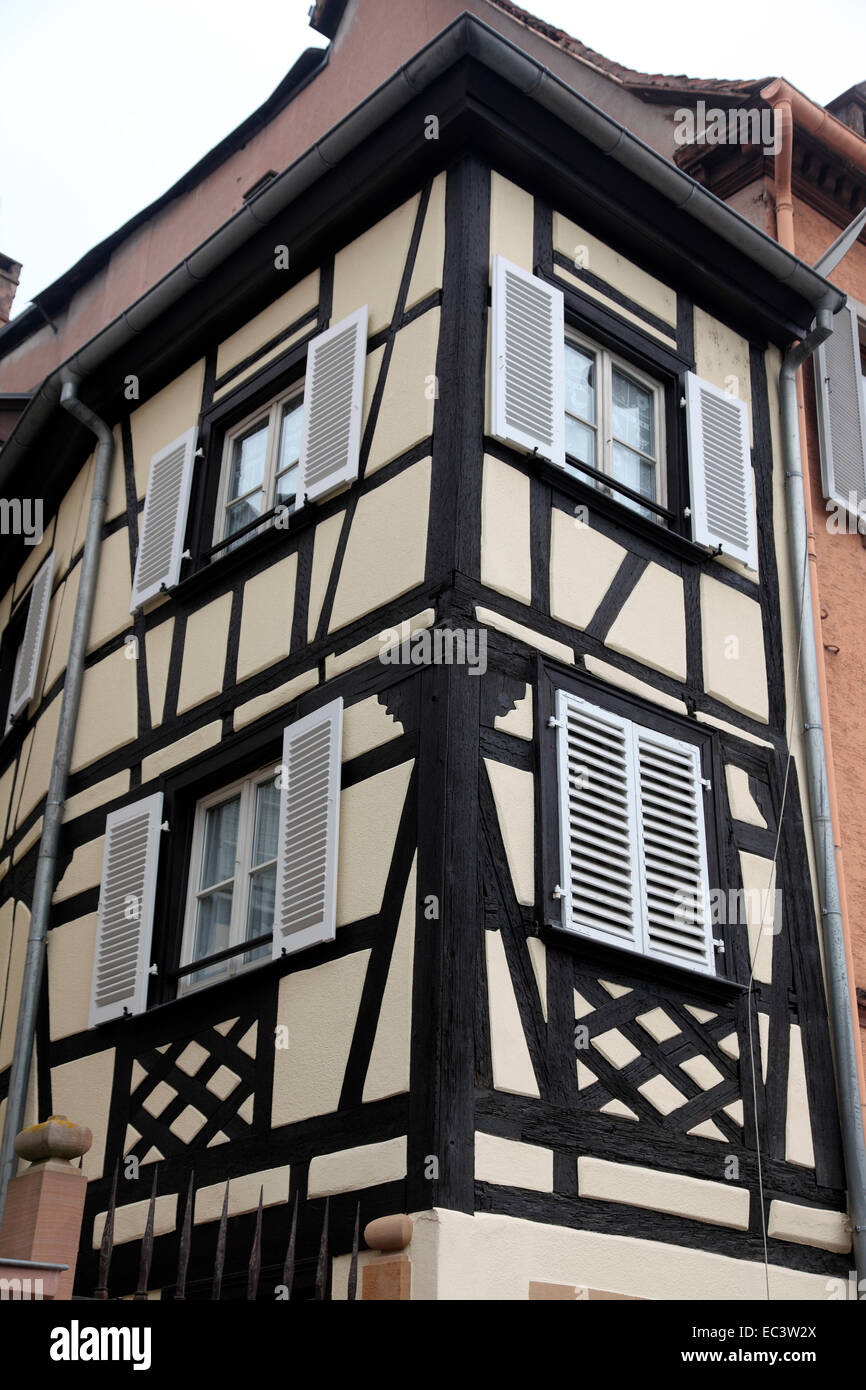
(614, 423)
(233, 878)
(261, 459)
(633, 846)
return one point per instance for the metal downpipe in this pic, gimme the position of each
(46, 864)
(832, 929)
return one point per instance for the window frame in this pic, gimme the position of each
(247, 786)
(271, 412)
(608, 361)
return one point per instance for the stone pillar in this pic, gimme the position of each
(45, 1203)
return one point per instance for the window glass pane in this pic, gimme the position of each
(580, 441)
(212, 926)
(248, 461)
(632, 413)
(260, 914)
(579, 383)
(220, 844)
(636, 473)
(287, 487)
(290, 435)
(243, 514)
(267, 821)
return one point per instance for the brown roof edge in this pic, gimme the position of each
(819, 122)
(325, 16)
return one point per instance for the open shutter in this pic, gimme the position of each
(306, 907)
(528, 391)
(842, 413)
(333, 405)
(720, 471)
(598, 831)
(126, 903)
(673, 851)
(30, 651)
(163, 523)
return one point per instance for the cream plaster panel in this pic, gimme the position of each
(352, 1170)
(798, 1128)
(324, 550)
(722, 357)
(669, 339)
(583, 564)
(100, 794)
(33, 555)
(558, 650)
(512, 223)
(266, 618)
(506, 562)
(181, 751)
(387, 548)
(624, 681)
(27, 841)
(829, 1230)
(731, 729)
(14, 926)
(274, 699)
(130, 1220)
(273, 1183)
(204, 653)
(116, 504)
(61, 614)
(188, 1124)
(707, 1129)
(7, 781)
(307, 330)
(70, 971)
(658, 1025)
(83, 872)
(71, 521)
(319, 1008)
(367, 725)
(538, 957)
(388, 1072)
(592, 255)
(514, 795)
(651, 627)
(717, 1203)
(109, 710)
(40, 759)
(374, 647)
(370, 813)
(111, 613)
(192, 1057)
(369, 270)
(759, 882)
(164, 418)
(428, 271)
(619, 1108)
(702, 1072)
(518, 721)
(512, 1065)
(158, 655)
(735, 669)
(82, 1092)
(511, 1164)
(662, 1094)
(406, 412)
(744, 807)
(615, 1048)
(492, 1258)
(286, 310)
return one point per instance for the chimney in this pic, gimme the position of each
(9, 272)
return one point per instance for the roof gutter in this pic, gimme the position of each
(817, 121)
(467, 36)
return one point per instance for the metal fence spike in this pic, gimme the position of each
(289, 1265)
(140, 1294)
(220, 1260)
(322, 1266)
(352, 1287)
(256, 1254)
(107, 1246)
(185, 1238)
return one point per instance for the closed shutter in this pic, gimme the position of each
(163, 523)
(720, 471)
(306, 906)
(126, 903)
(333, 405)
(30, 651)
(528, 392)
(597, 820)
(673, 850)
(842, 413)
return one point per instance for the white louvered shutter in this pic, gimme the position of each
(333, 406)
(678, 926)
(30, 651)
(599, 845)
(163, 522)
(306, 906)
(528, 388)
(720, 471)
(842, 413)
(126, 902)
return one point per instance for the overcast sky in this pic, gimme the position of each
(105, 104)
